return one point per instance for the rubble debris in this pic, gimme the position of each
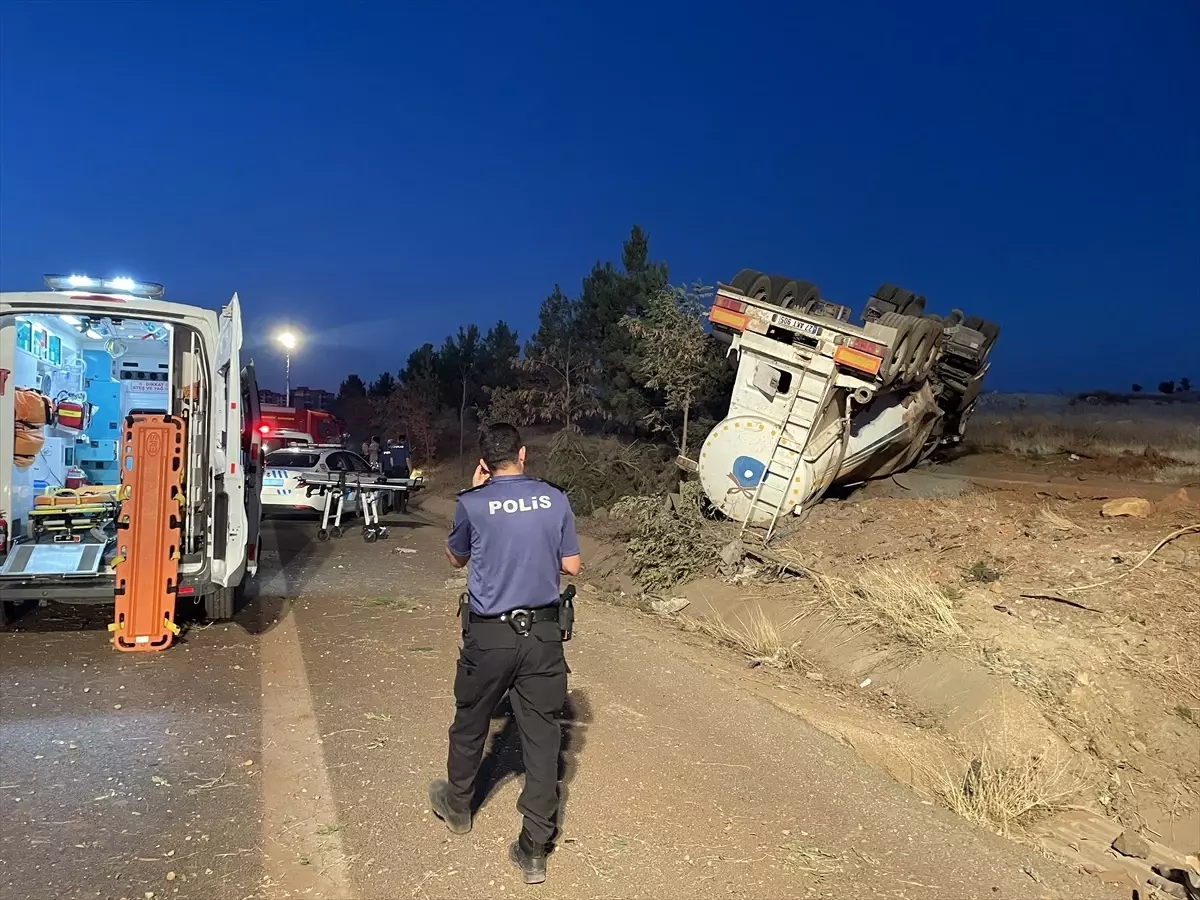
(1138, 507)
(1130, 843)
(1182, 883)
(669, 607)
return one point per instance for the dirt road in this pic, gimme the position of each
(287, 755)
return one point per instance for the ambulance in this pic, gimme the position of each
(129, 460)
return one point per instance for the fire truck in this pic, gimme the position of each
(283, 426)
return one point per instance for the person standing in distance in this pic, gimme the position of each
(518, 533)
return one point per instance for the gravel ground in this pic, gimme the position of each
(287, 755)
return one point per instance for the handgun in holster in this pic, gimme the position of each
(566, 612)
(464, 612)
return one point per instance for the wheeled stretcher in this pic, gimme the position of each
(336, 487)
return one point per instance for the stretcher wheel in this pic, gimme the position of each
(383, 533)
(322, 534)
(370, 535)
(337, 531)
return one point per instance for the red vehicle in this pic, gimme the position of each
(282, 426)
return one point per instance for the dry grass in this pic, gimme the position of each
(1009, 792)
(1057, 520)
(906, 604)
(756, 637)
(1101, 434)
(1181, 474)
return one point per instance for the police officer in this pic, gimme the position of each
(394, 463)
(518, 533)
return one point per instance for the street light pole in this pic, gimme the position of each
(288, 340)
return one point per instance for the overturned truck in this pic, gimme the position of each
(819, 401)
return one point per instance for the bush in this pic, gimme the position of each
(670, 543)
(598, 471)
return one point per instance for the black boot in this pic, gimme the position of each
(439, 801)
(529, 858)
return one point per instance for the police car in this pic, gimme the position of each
(284, 468)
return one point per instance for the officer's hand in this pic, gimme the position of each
(481, 476)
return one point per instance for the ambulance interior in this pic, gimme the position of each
(76, 378)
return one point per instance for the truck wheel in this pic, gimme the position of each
(743, 279)
(928, 339)
(807, 295)
(990, 331)
(783, 291)
(973, 322)
(900, 358)
(760, 289)
(897, 299)
(221, 604)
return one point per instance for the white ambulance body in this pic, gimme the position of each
(119, 348)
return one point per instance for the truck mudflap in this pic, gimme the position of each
(149, 533)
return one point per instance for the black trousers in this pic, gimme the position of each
(533, 671)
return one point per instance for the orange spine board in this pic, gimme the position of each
(149, 532)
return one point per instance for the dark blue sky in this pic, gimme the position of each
(379, 173)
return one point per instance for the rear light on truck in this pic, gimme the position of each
(864, 346)
(727, 312)
(857, 359)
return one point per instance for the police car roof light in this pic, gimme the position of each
(147, 290)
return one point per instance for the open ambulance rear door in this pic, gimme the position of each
(234, 539)
(252, 463)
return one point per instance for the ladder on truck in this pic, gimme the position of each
(149, 532)
(787, 454)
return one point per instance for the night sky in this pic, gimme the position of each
(376, 174)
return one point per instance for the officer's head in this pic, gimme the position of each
(501, 450)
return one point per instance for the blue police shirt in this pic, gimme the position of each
(516, 530)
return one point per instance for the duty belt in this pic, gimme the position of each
(521, 620)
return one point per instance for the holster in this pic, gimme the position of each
(464, 612)
(566, 618)
(566, 612)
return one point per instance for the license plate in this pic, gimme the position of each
(795, 324)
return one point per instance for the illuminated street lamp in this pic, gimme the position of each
(289, 342)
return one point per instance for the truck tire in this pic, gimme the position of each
(760, 289)
(742, 280)
(788, 293)
(808, 296)
(928, 335)
(990, 331)
(898, 300)
(900, 358)
(221, 604)
(973, 322)
(783, 291)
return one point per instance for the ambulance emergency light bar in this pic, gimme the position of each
(147, 290)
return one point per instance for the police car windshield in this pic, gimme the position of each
(293, 459)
